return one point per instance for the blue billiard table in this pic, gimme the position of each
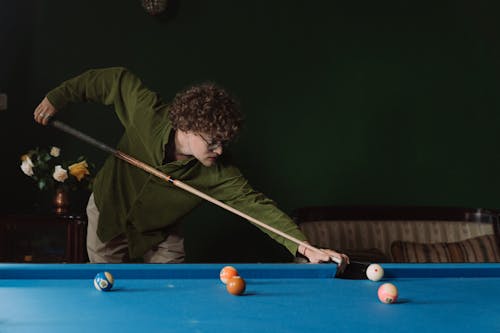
(279, 298)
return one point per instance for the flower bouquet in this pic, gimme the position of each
(51, 173)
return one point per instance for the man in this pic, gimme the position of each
(133, 215)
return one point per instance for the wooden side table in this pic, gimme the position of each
(43, 238)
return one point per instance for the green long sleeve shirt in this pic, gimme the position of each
(142, 206)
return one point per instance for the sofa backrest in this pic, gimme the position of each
(374, 229)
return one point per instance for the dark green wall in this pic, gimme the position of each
(346, 102)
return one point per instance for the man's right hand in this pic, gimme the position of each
(44, 111)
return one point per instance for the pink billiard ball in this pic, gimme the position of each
(388, 293)
(374, 272)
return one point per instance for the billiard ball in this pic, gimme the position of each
(227, 272)
(104, 281)
(236, 285)
(388, 293)
(374, 272)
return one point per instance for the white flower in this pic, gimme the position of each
(60, 174)
(27, 165)
(55, 151)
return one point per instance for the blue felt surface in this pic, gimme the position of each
(276, 304)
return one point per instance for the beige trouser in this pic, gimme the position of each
(171, 250)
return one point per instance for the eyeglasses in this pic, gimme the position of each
(211, 145)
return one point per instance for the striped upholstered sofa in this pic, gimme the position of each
(404, 234)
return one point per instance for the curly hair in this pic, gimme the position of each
(206, 108)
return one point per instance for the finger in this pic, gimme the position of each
(38, 110)
(38, 117)
(344, 258)
(45, 118)
(335, 259)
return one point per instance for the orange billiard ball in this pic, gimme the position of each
(236, 285)
(388, 293)
(226, 273)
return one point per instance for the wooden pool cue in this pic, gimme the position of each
(131, 160)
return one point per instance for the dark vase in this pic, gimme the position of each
(70, 202)
(61, 201)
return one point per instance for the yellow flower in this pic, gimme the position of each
(79, 170)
